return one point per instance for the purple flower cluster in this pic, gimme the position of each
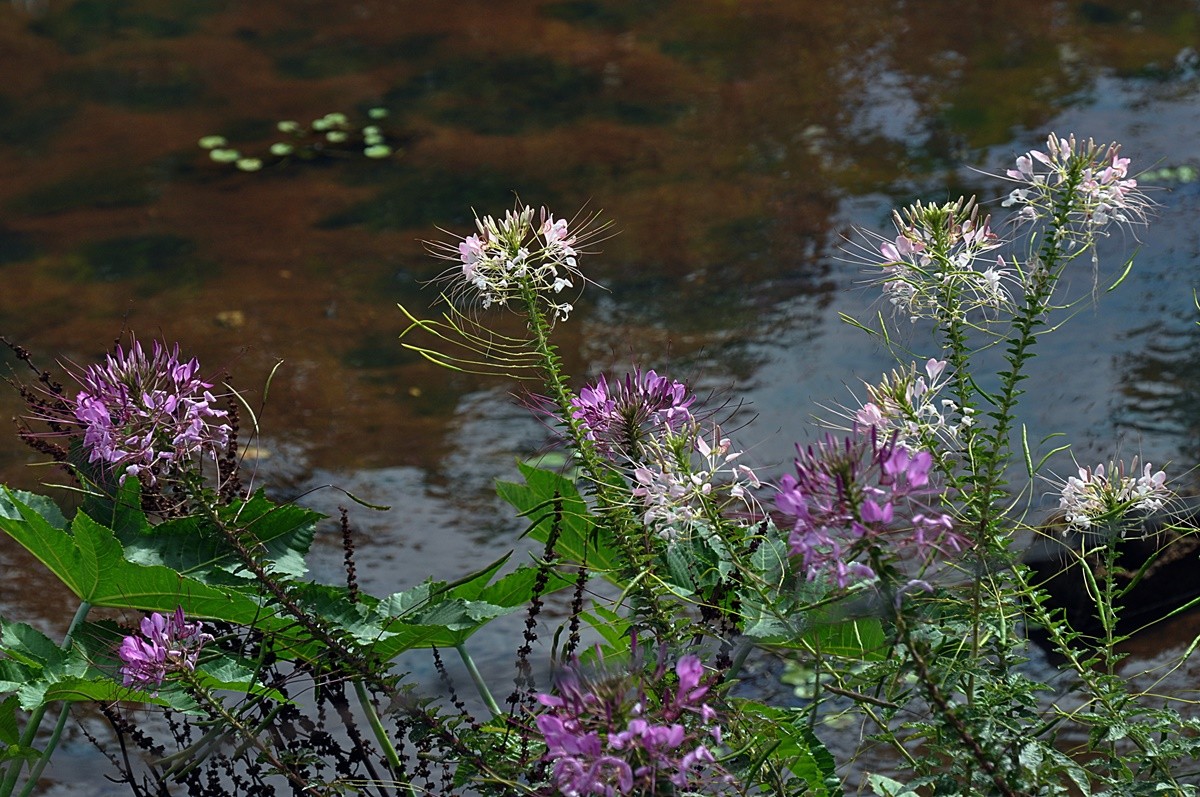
(853, 495)
(612, 736)
(166, 644)
(619, 417)
(144, 413)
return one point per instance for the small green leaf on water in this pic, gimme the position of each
(212, 142)
(372, 130)
(281, 149)
(378, 151)
(288, 126)
(249, 164)
(378, 113)
(1187, 174)
(336, 136)
(224, 155)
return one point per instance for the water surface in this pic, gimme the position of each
(734, 146)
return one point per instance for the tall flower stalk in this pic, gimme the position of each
(523, 265)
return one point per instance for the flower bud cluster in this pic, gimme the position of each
(630, 733)
(1097, 175)
(861, 495)
(1099, 497)
(509, 258)
(906, 406)
(941, 258)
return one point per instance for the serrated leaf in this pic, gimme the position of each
(862, 639)
(90, 562)
(283, 534)
(28, 646)
(104, 690)
(884, 786)
(579, 540)
(679, 568)
(235, 675)
(10, 732)
(795, 746)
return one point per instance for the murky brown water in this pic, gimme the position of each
(732, 143)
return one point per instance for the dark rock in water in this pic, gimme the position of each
(1157, 566)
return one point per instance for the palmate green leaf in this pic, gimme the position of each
(101, 689)
(766, 627)
(10, 731)
(25, 645)
(14, 675)
(679, 566)
(90, 562)
(784, 735)
(430, 614)
(579, 539)
(231, 674)
(193, 547)
(883, 786)
(69, 666)
(860, 640)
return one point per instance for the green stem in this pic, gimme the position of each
(35, 720)
(381, 736)
(480, 684)
(614, 509)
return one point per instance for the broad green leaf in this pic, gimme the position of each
(679, 566)
(766, 627)
(103, 690)
(10, 732)
(579, 540)
(516, 588)
(14, 675)
(38, 503)
(861, 640)
(883, 786)
(89, 561)
(235, 675)
(192, 545)
(786, 734)
(26, 645)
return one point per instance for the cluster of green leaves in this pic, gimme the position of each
(110, 555)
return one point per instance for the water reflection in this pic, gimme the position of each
(733, 144)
